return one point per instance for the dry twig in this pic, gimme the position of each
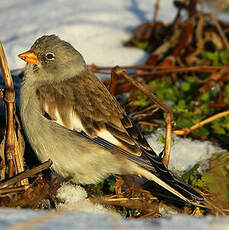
(14, 142)
(26, 174)
(169, 116)
(9, 97)
(186, 131)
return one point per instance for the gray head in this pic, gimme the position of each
(53, 59)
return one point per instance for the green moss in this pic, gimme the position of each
(143, 45)
(162, 139)
(218, 58)
(215, 179)
(187, 109)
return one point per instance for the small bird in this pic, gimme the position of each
(70, 117)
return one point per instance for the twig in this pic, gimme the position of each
(167, 69)
(141, 86)
(199, 40)
(169, 116)
(211, 205)
(133, 203)
(156, 8)
(185, 131)
(6, 191)
(113, 83)
(218, 27)
(3, 160)
(147, 123)
(26, 174)
(218, 166)
(192, 7)
(2, 94)
(148, 215)
(182, 69)
(5, 69)
(9, 98)
(128, 199)
(14, 142)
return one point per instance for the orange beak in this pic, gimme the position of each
(29, 57)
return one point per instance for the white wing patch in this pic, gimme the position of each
(46, 109)
(74, 123)
(106, 135)
(58, 118)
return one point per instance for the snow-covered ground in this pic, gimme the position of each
(97, 29)
(13, 219)
(185, 153)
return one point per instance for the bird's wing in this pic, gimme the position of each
(83, 103)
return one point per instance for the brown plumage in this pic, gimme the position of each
(87, 101)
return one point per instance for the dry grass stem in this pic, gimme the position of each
(26, 174)
(167, 69)
(220, 30)
(156, 8)
(14, 141)
(186, 131)
(3, 160)
(9, 97)
(140, 203)
(9, 191)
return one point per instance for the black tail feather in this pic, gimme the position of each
(188, 191)
(164, 174)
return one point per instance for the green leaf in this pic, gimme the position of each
(189, 176)
(183, 123)
(218, 57)
(142, 45)
(226, 88)
(197, 118)
(212, 56)
(217, 126)
(202, 131)
(224, 56)
(162, 139)
(191, 79)
(205, 96)
(206, 109)
(216, 179)
(185, 86)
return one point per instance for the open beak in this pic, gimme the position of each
(29, 57)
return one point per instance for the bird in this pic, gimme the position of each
(70, 117)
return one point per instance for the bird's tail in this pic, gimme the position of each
(172, 183)
(177, 187)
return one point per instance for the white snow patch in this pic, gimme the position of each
(74, 197)
(70, 194)
(95, 28)
(185, 153)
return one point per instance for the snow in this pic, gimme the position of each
(13, 219)
(97, 29)
(75, 197)
(185, 153)
(67, 192)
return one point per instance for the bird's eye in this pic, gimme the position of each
(50, 56)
